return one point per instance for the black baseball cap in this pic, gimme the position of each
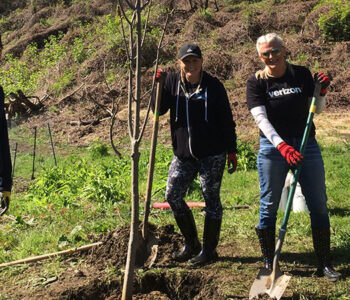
(189, 49)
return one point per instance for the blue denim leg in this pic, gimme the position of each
(272, 170)
(313, 186)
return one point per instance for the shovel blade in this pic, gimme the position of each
(270, 283)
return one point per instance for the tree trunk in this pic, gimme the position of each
(135, 155)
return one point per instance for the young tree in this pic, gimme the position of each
(133, 46)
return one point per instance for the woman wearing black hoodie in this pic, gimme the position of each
(203, 134)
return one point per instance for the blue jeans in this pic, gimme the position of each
(273, 169)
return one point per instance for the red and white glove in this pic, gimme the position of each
(292, 156)
(232, 162)
(324, 82)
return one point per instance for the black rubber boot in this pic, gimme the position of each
(210, 241)
(188, 229)
(267, 238)
(321, 240)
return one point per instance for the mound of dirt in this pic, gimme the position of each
(114, 249)
(164, 281)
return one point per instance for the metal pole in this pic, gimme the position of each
(34, 148)
(52, 146)
(14, 161)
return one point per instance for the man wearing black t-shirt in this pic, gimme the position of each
(5, 158)
(279, 97)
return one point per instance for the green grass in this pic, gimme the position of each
(88, 194)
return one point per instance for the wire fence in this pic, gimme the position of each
(33, 148)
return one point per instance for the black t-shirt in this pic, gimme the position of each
(285, 99)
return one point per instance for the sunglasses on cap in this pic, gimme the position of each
(273, 52)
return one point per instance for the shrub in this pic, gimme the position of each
(246, 157)
(335, 25)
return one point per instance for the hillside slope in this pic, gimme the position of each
(54, 47)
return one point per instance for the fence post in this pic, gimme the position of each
(34, 154)
(52, 146)
(14, 161)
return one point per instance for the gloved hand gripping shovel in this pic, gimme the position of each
(274, 283)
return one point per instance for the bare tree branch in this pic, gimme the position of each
(154, 77)
(145, 27)
(121, 11)
(130, 86)
(133, 7)
(147, 2)
(113, 118)
(123, 31)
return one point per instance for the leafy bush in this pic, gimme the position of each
(335, 25)
(246, 157)
(80, 180)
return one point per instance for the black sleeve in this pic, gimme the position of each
(255, 94)
(227, 123)
(5, 158)
(164, 103)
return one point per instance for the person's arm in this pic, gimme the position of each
(6, 172)
(260, 117)
(227, 124)
(255, 96)
(0, 46)
(164, 103)
(228, 127)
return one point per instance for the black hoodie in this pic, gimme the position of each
(201, 125)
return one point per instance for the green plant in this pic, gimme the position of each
(246, 157)
(63, 82)
(335, 25)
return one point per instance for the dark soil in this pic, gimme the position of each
(90, 280)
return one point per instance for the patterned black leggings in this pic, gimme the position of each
(181, 175)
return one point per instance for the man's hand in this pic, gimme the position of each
(231, 162)
(324, 82)
(292, 156)
(5, 201)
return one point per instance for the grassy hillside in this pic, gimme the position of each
(53, 47)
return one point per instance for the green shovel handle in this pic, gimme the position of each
(302, 152)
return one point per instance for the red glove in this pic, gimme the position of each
(159, 74)
(324, 82)
(292, 156)
(231, 162)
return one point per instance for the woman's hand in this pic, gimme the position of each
(232, 162)
(324, 82)
(292, 156)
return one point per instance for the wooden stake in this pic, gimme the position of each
(49, 255)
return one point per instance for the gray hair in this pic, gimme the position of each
(270, 37)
